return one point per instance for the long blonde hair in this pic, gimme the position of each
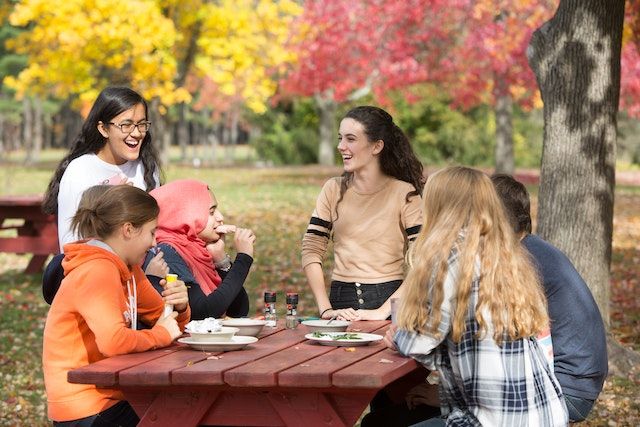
(463, 212)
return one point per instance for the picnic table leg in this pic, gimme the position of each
(175, 409)
(318, 408)
(36, 264)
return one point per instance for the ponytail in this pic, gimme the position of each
(397, 158)
(119, 204)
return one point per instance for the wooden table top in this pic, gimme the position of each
(281, 380)
(282, 358)
(22, 200)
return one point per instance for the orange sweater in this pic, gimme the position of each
(89, 321)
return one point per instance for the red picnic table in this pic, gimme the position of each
(37, 235)
(281, 380)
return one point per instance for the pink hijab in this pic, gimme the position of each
(184, 211)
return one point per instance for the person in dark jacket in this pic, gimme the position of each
(190, 235)
(579, 359)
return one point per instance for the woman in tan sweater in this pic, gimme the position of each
(371, 213)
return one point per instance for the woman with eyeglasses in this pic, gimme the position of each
(113, 147)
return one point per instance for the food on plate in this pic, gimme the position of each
(210, 324)
(335, 337)
(225, 229)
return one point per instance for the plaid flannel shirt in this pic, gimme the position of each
(483, 383)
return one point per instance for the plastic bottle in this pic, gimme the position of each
(291, 321)
(168, 308)
(270, 308)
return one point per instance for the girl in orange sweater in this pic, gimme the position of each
(95, 311)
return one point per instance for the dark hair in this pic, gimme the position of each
(110, 102)
(516, 202)
(397, 158)
(117, 205)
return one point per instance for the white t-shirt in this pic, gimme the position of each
(84, 172)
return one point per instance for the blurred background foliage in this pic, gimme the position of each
(278, 74)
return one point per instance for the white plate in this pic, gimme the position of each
(360, 338)
(238, 342)
(323, 325)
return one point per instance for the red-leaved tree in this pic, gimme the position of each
(347, 48)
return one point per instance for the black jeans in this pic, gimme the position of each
(119, 415)
(361, 295)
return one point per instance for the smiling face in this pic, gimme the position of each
(356, 150)
(122, 147)
(215, 219)
(141, 240)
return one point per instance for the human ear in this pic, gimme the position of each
(102, 129)
(128, 230)
(378, 146)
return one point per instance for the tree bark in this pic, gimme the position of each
(161, 131)
(38, 130)
(182, 131)
(504, 128)
(327, 108)
(27, 130)
(576, 59)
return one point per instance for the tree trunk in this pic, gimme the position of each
(38, 130)
(182, 131)
(504, 128)
(576, 59)
(2, 137)
(328, 133)
(161, 132)
(27, 130)
(230, 149)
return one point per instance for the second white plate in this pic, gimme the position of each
(343, 339)
(237, 342)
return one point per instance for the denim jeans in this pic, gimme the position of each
(578, 407)
(361, 295)
(119, 415)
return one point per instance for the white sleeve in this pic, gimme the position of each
(71, 189)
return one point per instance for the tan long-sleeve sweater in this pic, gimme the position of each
(370, 231)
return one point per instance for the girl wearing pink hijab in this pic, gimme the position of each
(190, 234)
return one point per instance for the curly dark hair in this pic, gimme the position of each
(110, 102)
(397, 158)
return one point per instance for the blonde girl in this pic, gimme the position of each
(472, 308)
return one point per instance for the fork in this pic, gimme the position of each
(332, 319)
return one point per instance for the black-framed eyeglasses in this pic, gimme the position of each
(127, 127)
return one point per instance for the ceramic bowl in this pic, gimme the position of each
(246, 327)
(322, 325)
(224, 334)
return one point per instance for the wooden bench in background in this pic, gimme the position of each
(37, 235)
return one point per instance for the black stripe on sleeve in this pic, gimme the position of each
(321, 222)
(413, 230)
(318, 233)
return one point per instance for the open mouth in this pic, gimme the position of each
(132, 144)
(346, 157)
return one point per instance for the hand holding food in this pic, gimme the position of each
(175, 293)
(244, 240)
(226, 229)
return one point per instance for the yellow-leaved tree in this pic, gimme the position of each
(77, 47)
(242, 48)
